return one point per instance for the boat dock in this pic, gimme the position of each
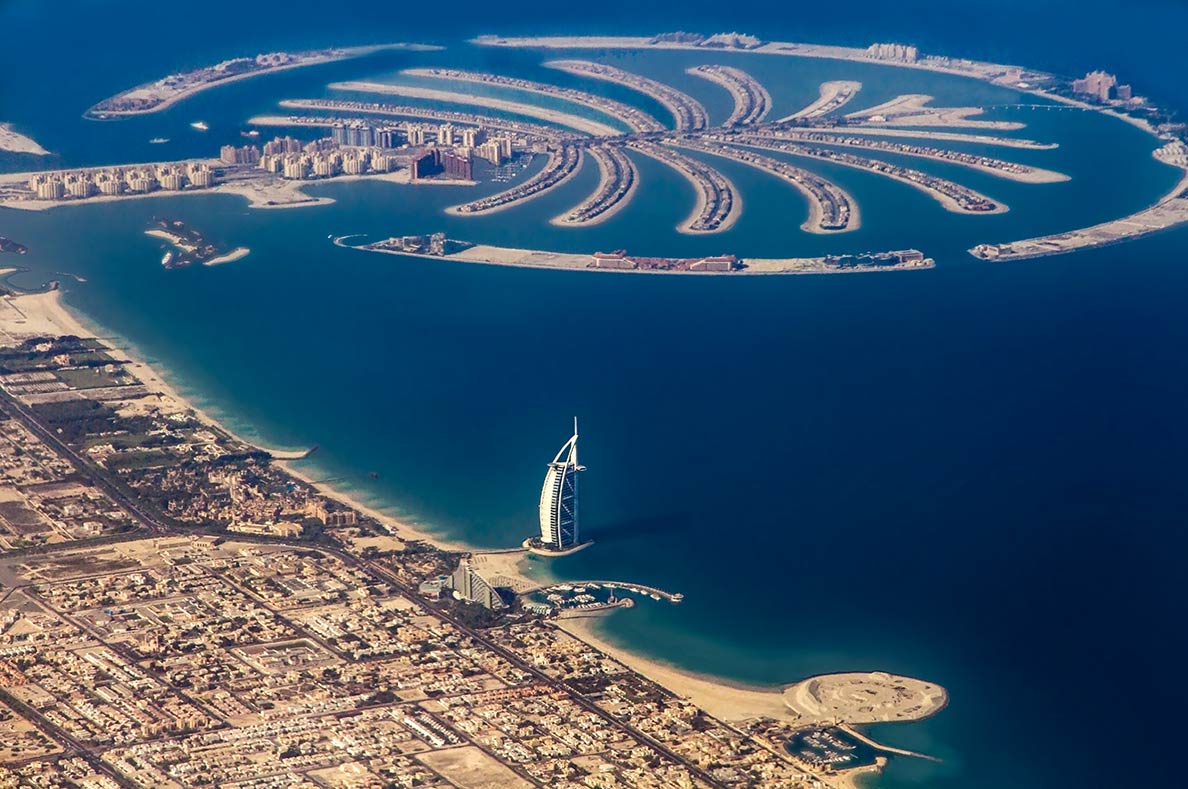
(650, 591)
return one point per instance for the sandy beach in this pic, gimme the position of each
(566, 261)
(731, 702)
(46, 314)
(816, 212)
(556, 117)
(828, 100)
(736, 81)
(604, 177)
(260, 193)
(914, 109)
(236, 254)
(676, 162)
(15, 142)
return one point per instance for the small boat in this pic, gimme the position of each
(159, 140)
(252, 133)
(199, 125)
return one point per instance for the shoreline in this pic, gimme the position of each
(51, 314)
(816, 210)
(604, 180)
(678, 163)
(947, 202)
(260, 194)
(723, 698)
(13, 141)
(455, 210)
(730, 700)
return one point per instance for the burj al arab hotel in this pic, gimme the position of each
(559, 499)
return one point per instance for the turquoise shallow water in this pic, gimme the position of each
(971, 474)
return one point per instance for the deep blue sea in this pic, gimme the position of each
(974, 474)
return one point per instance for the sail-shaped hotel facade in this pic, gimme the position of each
(559, 521)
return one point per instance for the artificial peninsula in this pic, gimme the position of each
(419, 144)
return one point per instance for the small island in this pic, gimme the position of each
(8, 245)
(189, 246)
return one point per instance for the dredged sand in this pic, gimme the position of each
(15, 142)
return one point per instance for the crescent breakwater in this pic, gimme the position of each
(831, 208)
(164, 93)
(752, 102)
(439, 248)
(687, 112)
(633, 118)
(1169, 211)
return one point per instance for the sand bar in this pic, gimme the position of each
(911, 109)
(236, 254)
(519, 108)
(15, 142)
(834, 95)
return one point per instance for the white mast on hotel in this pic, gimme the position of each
(559, 498)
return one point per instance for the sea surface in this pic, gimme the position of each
(973, 474)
